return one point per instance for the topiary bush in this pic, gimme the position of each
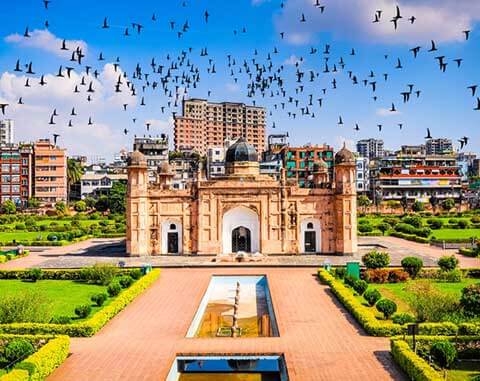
(372, 296)
(376, 259)
(114, 289)
(340, 272)
(137, 273)
(365, 228)
(34, 274)
(415, 221)
(397, 276)
(377, 275)
(435, 223)
(443, 353)
(387, 307)
(99, 299)
(83, 311)
(17, 350)
(403, 318)
(448, 263)
(125, 281)
(360, 286)
(470, 299)
(412, 265)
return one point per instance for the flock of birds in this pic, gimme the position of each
(298, 95)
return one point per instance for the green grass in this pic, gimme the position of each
(455, 233)
(63, 295)
(464, 370)
(396, 291)
(23, 236)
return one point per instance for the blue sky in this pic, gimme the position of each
(445, 104)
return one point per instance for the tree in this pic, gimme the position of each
(117, 198)
(404, 203)
(383, 227)
(8, 207)
(61, 207)
(33, 203)
(418, 206)
(102, 204)
(90, 202)
(364, 202)
(433, 202)
(80, 206)
(74, 172)
(448, 204)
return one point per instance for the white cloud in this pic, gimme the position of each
(386, 112)
(47, 41)
(440, 20)
(293, 60)
(232, 87)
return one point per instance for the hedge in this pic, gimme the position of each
(468, 252)
(416, 367)
(367, 319)
(10, 257)
(64, 274)
(410, 237)
(43, 362)
(95, 323)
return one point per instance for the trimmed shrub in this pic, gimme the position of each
(114, 289)
(376, 259)
(448, 263)
(463, 224)
(34, 274)
(83, 311)
(125, 281)
(100, 273)
(403, 318)
(383, 227)
(392, 221)
(372, 296)
(453, 276)
(340, 272)
(137, 273)
(387, 307)
(20, 226)
(415, 221)
(360, 286)
(435, 223)
(17, 350)
(397, 276)
(365, 228)
(99, 299)
(412, 265)
(470, 299)
(377, 275)
(443, 353)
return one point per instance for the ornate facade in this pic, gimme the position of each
(242, 211)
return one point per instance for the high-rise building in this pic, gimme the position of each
(155, 149)
(439, 146)
(205, 124)
(363, 175)
(16, 174)
(6, 131)
(370, 148)
(50, 172)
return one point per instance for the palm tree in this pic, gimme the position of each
(74, 172)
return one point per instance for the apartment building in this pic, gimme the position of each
(363, 175)
(438, 146)
(206, 124)
(7, 128)
(50, 172)
(16, 174)
(370, 148)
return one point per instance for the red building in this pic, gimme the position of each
(16, 174)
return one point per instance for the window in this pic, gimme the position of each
(173, 227)
(310, 225)
(16, 168)
(5, 167)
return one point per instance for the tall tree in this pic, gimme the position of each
(74, 172)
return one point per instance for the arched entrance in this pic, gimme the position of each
(241, 240)
(310, 236)
(172, 237)
(240, 230)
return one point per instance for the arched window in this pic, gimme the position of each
(173, 227)
(309, 225)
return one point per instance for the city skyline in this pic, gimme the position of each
(445, 104)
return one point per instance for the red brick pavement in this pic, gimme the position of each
(319, 339)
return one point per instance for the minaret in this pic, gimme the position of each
(345, 202)
(137, 206)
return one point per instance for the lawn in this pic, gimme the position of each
(396, 291)
(455, 233)
(23, 236)
(63, 295)
(464, 370)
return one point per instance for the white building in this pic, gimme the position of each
(6, 131)
(370, 148)
(363, 175)
(94, 182)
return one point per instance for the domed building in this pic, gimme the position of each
(243, 211)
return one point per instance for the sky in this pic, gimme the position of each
(445, 104)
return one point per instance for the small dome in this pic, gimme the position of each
(137, 158)
(164, 167)
(241, 151)
(344, 156)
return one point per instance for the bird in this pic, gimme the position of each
(433, 48)
(357, 128)
(55, 137)
(73, 113)
(412, 19)
(474, 89)
(105, 24)
(302, 19)
(476, 108)
(52, 122)
(206, 16)
(3, 106)
(45, 3)
(393, 109)
(415, 51)
(429, 135)
(379, 127)
(20, 101)
(340, 121)
(467, 34)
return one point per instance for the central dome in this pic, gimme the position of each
(241, 151)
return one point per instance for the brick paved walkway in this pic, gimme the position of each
(112, 251)
(318, 337)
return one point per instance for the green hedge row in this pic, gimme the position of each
(375, 327)
(64, 274)
(42, 363)
(416, 367)
(9, 257)
(92, 325)
(410, 237)
(468, 252)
